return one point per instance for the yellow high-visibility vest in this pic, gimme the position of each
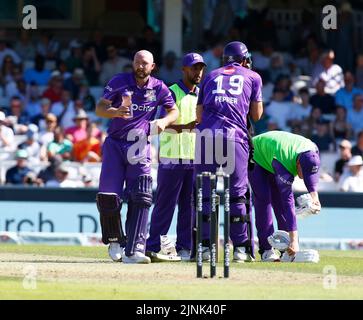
(180, 145)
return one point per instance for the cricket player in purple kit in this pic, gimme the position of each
(228, 95)
(176, 168)
(279, 157)
(131, 101)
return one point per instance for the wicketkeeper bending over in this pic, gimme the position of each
(279, 157)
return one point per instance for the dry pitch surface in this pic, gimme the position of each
(50, 272)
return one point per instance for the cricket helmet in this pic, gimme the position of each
(236, 51)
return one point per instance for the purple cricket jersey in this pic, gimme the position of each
(145, 102)
(226, 94)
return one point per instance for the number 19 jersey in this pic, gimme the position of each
(225, 94)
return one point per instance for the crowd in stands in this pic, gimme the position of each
(48, 97)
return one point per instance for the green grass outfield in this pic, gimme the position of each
(87, 273)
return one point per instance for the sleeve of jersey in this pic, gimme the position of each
(256, 94)
(110, 91)
(284, 180)
(166, 97)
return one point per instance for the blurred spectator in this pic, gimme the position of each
(88, 149)
(321, 99)
(357, 150)
(5, 51)
(331, 73)
(169, 72)
(359, 71)
(47, 46)
(261, 59)
(279, 110)
(60, 145)
(18, 119)
(64, 72)
(48, 173)
(113, 65)
(24, 47)
(16, 174)
(75, 58)
(91, 65)
(32, 101)
(64, 110)
(74, 83)
(6, 135)
(61, 178)
(344, 96)
(99, 44)
(47, 136)
(87, 98)
(340, 127)
(283, 83)
(40, 118)
(78, 132)
(7, 69)
(151, 43)
(277, 67)
(302, 109)
(38, 74)
(30, 179)
(345, 149)
(213, 57)
(355, 115)
(322, 137)
(31, 146)
(311, 62)
(309, 125)
(54, 90)
(352, 181)
(13, 87)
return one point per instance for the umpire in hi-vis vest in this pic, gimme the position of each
(176, 168)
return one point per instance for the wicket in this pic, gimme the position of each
(214, 223)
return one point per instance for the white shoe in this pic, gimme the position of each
(137, 257)
(115, 251)
(270, 256)
(184, 254)
(205, 254)
(240, 255)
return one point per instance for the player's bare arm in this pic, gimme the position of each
(105, 110)
(172, 115)
(199, 113)
(256, 110)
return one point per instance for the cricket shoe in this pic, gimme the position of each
(184, 254)
(115, 251)
(270, 256)
(205, 254)
(137, 258)
(240, 255)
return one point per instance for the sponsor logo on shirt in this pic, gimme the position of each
(283, 180)
(136, 107)
(229, 70)
(150, 95)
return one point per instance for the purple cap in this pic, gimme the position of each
(310, 164)
(191, 59)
